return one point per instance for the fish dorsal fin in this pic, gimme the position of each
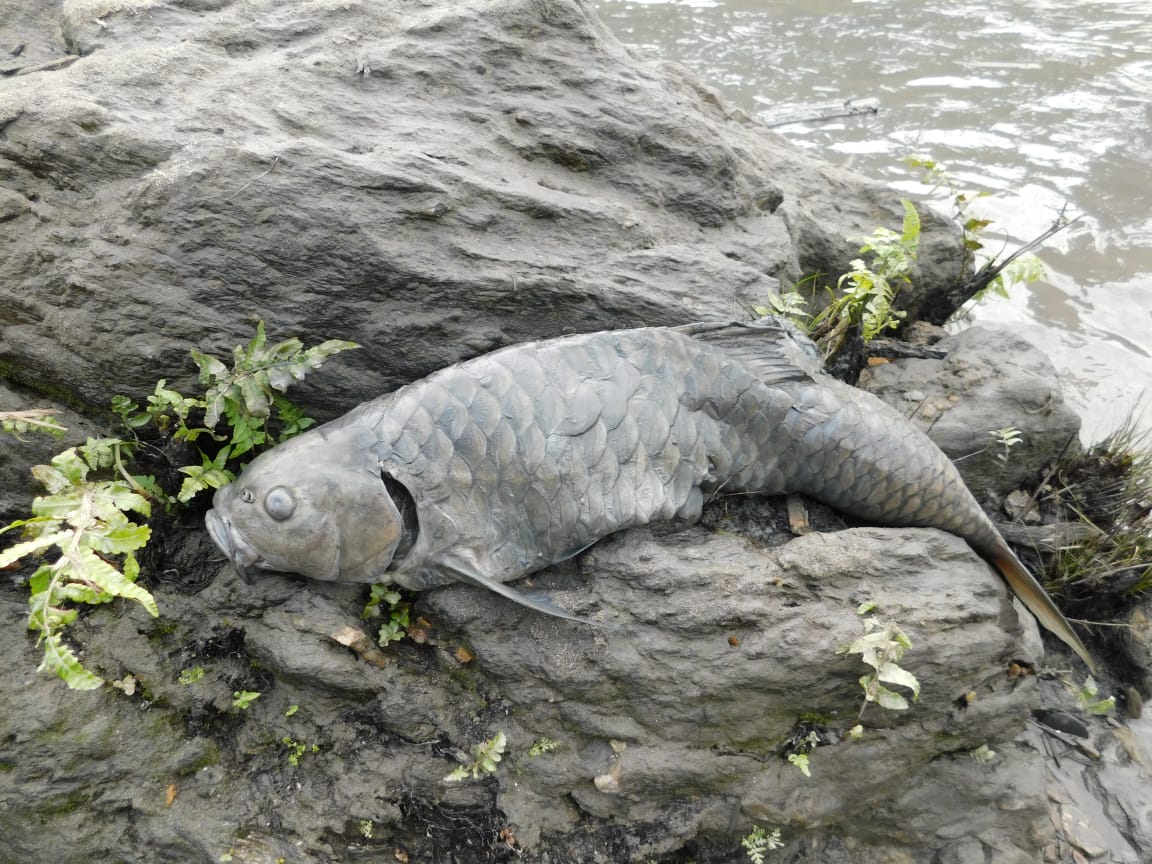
(464, 569)
(771, 349)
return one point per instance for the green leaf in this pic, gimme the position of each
(66, 471)
(911, 227)
(890, 673)
(119, 540)
(329, 347)
(101, 452)
(256, 400)
(60, 659)
(210, 475)
(36, 525)
(14, 553)
(241, 699)
(209, 367)
(59, 506)
(108, 578)
(247, 431)
(115, 497)
(890, 700)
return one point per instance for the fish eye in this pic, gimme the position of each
(246, 496)
(280, 503)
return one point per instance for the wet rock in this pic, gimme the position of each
(659, 715)
(991, 380)
(431, 181)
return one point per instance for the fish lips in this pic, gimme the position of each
(243, 557)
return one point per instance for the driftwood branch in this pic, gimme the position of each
(894, 349)
(820, 113)
(940, 306)
(983, 277)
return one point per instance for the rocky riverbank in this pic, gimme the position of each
(433, 181)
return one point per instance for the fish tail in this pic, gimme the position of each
(1033, 595)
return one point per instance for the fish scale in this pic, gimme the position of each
(523, 457)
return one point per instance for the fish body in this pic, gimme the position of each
(496, 467)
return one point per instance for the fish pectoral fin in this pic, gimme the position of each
(468, 572)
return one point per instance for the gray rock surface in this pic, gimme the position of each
(991, 379)
(670, 710)
(432, 180)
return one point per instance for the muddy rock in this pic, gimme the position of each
(431, 180)
(990, 380)
(706, 661)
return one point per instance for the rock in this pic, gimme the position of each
(431, 181)
(659, 716)
(990, 380)
(1020, 506)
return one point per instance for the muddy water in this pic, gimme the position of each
(1045, 103)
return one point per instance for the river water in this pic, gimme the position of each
(1045, 103)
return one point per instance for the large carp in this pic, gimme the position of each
(499, 466)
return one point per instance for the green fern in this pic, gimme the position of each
(485, 758)
(247, 393)
(86, 517)
(32, 420)
(88, 524)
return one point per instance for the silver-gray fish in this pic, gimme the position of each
(496, 467)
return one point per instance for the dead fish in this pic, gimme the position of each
(502, 465)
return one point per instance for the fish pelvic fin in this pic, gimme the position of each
(467, 572)
(1033, 595)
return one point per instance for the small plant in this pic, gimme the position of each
(191, 675)
(1090, 700)
(248, 396)
(1006, 439)
(292, 709)
(89, 514)
(867, 291)
(297, 749)
(882, 647)
(32, 420)
(983, 753)
(804, 738)
(394, 629)
(485, 758)
(996, 277)
(1106, 489)
(88, 523)
(366, 828)
(800, 760)
(241, 699)
(541, 746)
(760, 842)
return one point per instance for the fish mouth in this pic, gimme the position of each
(242, 556)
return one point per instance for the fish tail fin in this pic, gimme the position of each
(1033, 595)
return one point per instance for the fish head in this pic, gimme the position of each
(308, 506)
